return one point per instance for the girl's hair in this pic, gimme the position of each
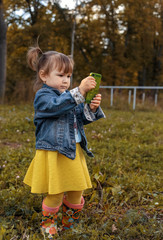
(48, 61)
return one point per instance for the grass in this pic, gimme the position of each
(126, 199)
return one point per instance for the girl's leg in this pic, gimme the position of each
(74, 197)
(73, 203)
(50, 208)
(53, 200)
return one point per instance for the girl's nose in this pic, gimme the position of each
(65, 79)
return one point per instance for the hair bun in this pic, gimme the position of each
(33, 56)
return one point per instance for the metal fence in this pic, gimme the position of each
(134, 93)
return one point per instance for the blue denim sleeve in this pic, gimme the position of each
(49, 104)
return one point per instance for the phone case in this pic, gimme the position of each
(91, 94)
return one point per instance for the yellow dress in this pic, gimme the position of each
(51, 172)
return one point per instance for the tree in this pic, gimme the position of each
(3, 47)
(121, 39)
(53, 26)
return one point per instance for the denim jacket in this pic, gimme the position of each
(54, 120)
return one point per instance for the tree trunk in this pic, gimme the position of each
(3, 53)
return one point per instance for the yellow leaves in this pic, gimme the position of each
(34, 215)
(93, 196)
(2, 233)
(115, 190)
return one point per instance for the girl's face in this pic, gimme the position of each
(56, 79)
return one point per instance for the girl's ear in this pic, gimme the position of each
(42, 75)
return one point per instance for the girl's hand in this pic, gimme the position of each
(95, 103)
(86, 85)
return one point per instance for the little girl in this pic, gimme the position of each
(59, 167)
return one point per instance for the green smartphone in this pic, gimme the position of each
(92, 93)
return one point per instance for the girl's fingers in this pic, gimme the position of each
(93, 82)
(95, 104)
(95, 101)
(98, 96)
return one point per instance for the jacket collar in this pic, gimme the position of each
(53, 89)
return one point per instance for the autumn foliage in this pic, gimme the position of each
(121, 39)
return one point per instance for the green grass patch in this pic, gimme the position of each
(126, 199)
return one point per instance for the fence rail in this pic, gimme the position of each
(134, 96)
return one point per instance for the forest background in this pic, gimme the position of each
(121, 39)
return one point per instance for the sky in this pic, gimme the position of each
(64, 3)
(69, 3)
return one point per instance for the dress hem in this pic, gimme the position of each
(66, 190)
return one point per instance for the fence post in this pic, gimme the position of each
(143, 98)
(134, 99)
(111, 97)
(129, 97)
(156, 97)
(134, 93)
